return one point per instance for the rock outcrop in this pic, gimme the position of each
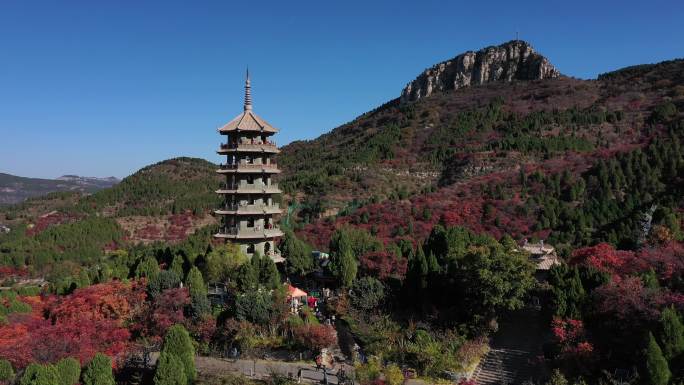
(515, 60)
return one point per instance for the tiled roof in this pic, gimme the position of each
(247, 121)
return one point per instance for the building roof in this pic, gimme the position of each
(248, 120)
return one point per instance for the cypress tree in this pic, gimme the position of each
(671, 333)
(177, 342)
(268, 273)
(657, 371)
(69, 370)
(422, 268)
(177, 265)
(198, 292)
(36, 374)
(98, 371)
(170, 371)
(6, 371)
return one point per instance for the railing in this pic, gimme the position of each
(255, 207)
(247, 230)
(249, 186)
(248, 166)
(226, 146)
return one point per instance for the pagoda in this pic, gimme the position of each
(249, 212)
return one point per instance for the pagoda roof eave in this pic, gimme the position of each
(248, 121)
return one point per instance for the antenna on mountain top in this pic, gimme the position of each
(516, 35)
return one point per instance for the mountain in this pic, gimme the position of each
(405, 146)
(515, 60)
(16, 189)
(486, 157)
(551, 158)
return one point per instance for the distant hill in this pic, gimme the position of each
(16, 189)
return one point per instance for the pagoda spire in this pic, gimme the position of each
(248, 93)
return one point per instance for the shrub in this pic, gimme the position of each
(315, 336)
(98, 371)
(36, 374)
(170, 371)
(672, 333)
(393, 375)
(367, 293)
(657, 371)
(177, 342)
(69, 370)
(6, 371)
(368, 372)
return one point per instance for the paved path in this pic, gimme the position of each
(264, 368)
(214, 366)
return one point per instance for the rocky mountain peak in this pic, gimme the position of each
(514, 60)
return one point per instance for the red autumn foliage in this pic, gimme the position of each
(571, 337)
(114, 301)
(12, 272)
(627, 301)
(383, 265)
(165, 310)
(88, 321)
(602, 257)
(666, 260)
(315, 336)
(45, 221)
(203, 330)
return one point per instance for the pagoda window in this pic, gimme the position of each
(250, 248)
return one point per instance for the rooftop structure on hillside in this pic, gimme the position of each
(544, 256)
(250, 210)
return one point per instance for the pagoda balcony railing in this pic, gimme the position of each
(230, 146)
(256, 230)
(255, 207)
(249, 186)
(248, 166)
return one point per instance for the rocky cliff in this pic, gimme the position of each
(515, 60)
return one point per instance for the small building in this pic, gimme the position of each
(544, 256)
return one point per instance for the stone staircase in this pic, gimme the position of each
(504, 367)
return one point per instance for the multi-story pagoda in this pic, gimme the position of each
(249, 213)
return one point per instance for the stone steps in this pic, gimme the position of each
(504, 367)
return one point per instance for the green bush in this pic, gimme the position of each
(6, 371)
(69, 370)
(99, 371)
(36, 374)
(177, 342)
(657, 371)
(367, 293)
(170, 371)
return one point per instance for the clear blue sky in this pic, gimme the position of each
(103, 88)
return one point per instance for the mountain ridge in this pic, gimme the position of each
(513, 60)
(16, 189)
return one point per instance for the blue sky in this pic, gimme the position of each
(103, 88)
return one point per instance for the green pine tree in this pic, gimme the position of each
(36, 374)
(98, 371)
(268, 273)
(6, 371)
(177, 265)
(177, 342)
(657, 371)
(170, 371)
(671, 333)
(198, 293)
(69, 370)
(195, 282)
